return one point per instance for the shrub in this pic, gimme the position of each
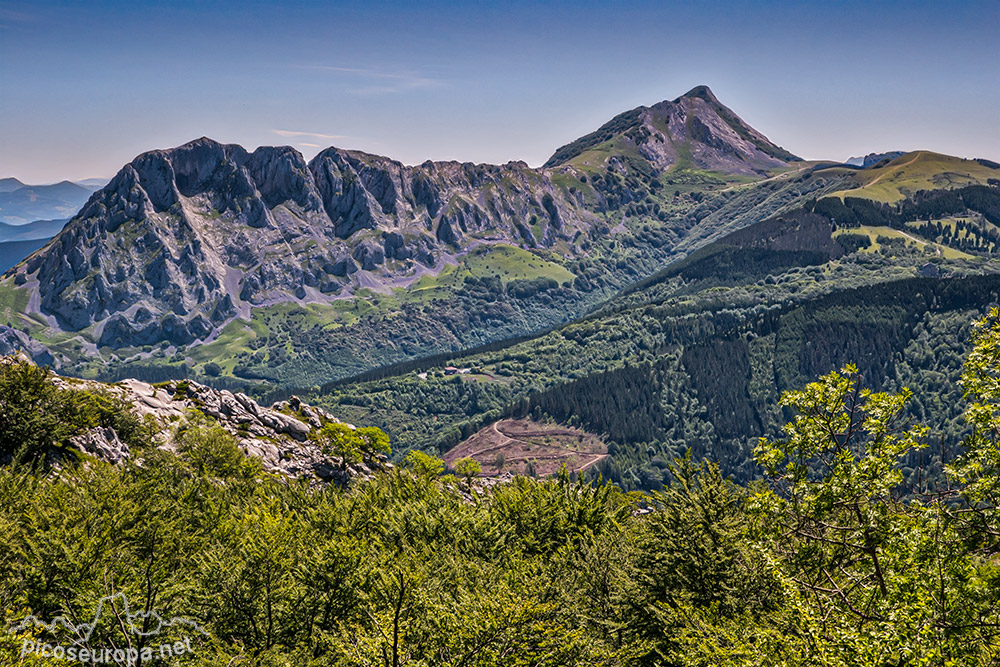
(36, 416)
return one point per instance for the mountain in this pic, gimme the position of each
(12, 252)
(10, 184)
(694, 131)
(264, 267)
(286, 270)
(93, 183)
(199, 233)
(40, 229)
(20, 203)
(872, 158)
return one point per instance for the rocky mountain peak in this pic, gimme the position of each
(700, 92)
(183, 240)
(693, 131)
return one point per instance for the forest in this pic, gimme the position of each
(681, 364)
(830, 556)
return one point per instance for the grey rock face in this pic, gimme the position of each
(281, 175)
(347, 203)
(149, 258)
(102, 443)
(14, 342)
(369, 255)
(278, 436)
(394, 246)
(10, 343)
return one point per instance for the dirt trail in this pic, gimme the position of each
(920, 241)
(895, 170)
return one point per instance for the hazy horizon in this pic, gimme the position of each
(85, 87)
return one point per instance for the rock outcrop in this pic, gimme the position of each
(278, 436)
(102, 443)
(14, 342)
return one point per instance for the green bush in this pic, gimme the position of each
(36, 417)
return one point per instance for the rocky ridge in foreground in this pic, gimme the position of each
(281, 437)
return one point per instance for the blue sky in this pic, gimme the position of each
(86, 86)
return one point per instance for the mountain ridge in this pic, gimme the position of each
(22, 203)
(183, 240)
(266, 266)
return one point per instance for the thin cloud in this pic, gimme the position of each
(296, 133)
(14, 16)
(380, 80)
(305, 145)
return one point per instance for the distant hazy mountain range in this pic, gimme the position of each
(12, 252)
(32, 214)
(19, 241)
(39, 229)
(21, 203)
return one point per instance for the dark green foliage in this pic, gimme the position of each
(280, 574)
(722, 265)
(211, 450)
(797, 238)
(834, 208)
(854, 242)
(984, 199)
(855, 211)
(824, 565)
(693, 553)
(522, 289)
(404, 367)
(624, 404)
(37, 417)
(924, 205)
(642, 406)
(720, 373)
(834, 560)
(482, 312)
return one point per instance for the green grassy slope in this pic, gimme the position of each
(919, 170)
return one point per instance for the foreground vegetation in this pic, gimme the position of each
(831, 559)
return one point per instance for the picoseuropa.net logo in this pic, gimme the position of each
(145, 636)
